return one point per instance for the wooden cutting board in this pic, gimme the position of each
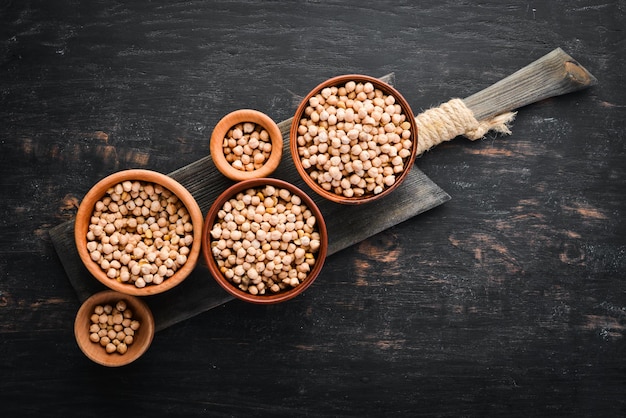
(554, 74)
(347, 225)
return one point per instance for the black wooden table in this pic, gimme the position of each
(509, 299)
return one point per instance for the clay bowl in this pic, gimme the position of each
(86, 210)
(142, 337)
(307, 169)
(225, 128)
(209, 241)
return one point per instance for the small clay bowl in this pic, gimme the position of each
(305, 173)
(96, 352)
(83, 220)
(269, 297)
(226, 124)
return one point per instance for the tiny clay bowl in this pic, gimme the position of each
(142, 337)
(269, 297)
(226, 126)
(336, 192)
(86, 210)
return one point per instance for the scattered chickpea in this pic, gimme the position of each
(262, 236)
(127, 247)
(363, 148)
(247, 146)
(114, 337)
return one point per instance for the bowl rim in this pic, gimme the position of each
(82, 321)
(240, 116)
(212, 264)
(83, 217)
(293, 137)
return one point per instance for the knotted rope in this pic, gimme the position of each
(454, 118)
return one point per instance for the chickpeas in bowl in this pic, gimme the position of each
(264, 240)
(246, 144)
(353, 139)
(138, 232)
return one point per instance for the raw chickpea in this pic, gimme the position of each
(365, 126)
(112, 337)
(122, 243)
(104, 340)
(247, 146)
(259, 252)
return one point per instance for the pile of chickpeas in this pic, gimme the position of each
(354, 139)
(247, 146)
(113, 327)
(265, 240)
(140, 233)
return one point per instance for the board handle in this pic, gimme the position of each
(554, 74)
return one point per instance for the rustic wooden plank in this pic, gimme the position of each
(346, 225)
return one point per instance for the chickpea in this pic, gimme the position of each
(122, 348)
(365, 126)
(247, 146)
(107, 327)
(119, 238)
(261, 250)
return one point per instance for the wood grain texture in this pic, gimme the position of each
(506, 301)
(554, 74)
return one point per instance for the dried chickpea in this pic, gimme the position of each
(262, 236)
(114, 338)
(352, 153)
(247, 146)
(125, 246)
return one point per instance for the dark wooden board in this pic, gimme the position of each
(346, 225)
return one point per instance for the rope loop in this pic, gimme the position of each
(454, 118)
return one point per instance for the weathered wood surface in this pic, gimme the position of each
(507, 300)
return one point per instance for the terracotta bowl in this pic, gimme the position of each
(83, 220)
(142, 337)
(226, 125)
(269, 297)
(336, 192)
